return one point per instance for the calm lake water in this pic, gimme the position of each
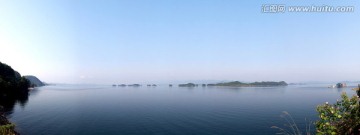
(163, 110)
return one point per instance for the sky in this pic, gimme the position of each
(165, 41)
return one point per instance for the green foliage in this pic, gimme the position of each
(23, 83)
(11, 83)
(7, 129)
(341, 118)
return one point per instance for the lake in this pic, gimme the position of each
(163, 110)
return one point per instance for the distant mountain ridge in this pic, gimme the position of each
(34, 81)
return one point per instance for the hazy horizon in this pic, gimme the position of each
(176, 41)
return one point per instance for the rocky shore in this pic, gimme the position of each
(6, 127)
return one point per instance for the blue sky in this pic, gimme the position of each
(163, 41)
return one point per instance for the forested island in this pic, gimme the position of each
(188, 85)
(239, 84)
(253, 84)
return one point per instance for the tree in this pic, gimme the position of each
(11, 82)
(343, 117)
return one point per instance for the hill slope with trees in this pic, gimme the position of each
(13, 88)
(11, 82)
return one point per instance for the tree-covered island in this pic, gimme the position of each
(253, 84)
(239, 84)
(188, 85)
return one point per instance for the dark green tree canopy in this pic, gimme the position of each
(11, 81)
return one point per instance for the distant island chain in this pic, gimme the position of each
(224, 84)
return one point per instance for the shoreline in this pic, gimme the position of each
(6, 127)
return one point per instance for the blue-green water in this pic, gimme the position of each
(162, 110)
